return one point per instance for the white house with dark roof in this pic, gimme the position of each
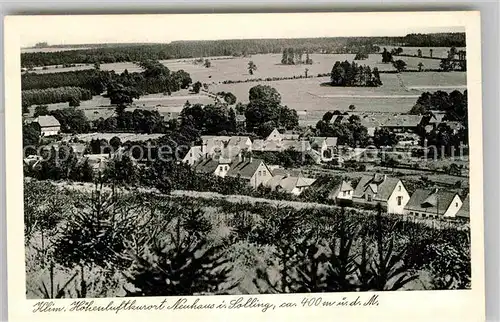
(342, 192)
(389, 192)
(212, 166)
(433, 203)
(48, 125)
(275, 135)
(255, 171)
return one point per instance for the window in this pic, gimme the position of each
(190, 154)
(400, 200)
(260, 173)
(456, 204)
(344, 193)
(411, 213)
(399, 188)
(369, 197)
(424, 215)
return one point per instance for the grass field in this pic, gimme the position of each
(397, 94)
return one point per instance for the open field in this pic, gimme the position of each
(397, 94)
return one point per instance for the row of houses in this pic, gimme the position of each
(390, 192)
(228, 147)
(394, 197)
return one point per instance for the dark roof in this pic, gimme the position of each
(206, 166)
(382, 185)
(464, 210)
(429, 200)
(245, 169)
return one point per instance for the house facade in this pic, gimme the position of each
(255, 171)
(194, 155)
(389, 192)
(212, 166)
(433, 203)
(342, 192)
(48, 125)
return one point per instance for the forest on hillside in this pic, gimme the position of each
(231, 47)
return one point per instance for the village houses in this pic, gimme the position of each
(433, 203)
(379, 188)
(294, 183)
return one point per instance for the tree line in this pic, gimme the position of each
(352, 74)
(293, 56)
(54, 95)
(233, 47)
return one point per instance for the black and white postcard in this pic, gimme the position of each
(226, 167)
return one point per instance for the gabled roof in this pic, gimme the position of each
(381, 185)
(206, 166)
(288, 183)
(295, 145)
(403, 120)
(245, 168)
(429, 200)
(275, 181)
(464, 210)
(274, 132)
(47, 121)
(239, 141)
(343, 186)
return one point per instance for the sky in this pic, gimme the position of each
(65, 30)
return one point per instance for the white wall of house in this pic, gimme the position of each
(222, 170)
(191, 157)
(347, 195)
(51, 130)
(275, 136)
(454, 207)
(261, 176)
(398, 199)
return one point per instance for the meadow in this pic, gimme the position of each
(398, 93)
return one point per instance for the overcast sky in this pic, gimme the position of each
(165, 28)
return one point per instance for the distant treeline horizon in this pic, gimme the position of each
(112, 53)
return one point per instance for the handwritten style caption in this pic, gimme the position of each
(201, 304)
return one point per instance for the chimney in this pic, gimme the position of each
(385, 177)
(240, 157)
(251, 158)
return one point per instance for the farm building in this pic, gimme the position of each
(389, 192)
(342, 192)
(433, 203)
(403, 123)
(48, 125)
(275, 135)
(255, 171)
